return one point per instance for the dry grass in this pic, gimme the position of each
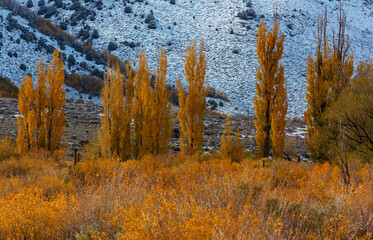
(174, 197)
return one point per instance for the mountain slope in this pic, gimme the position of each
(230, 40)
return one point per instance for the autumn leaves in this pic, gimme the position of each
(137, 118)
(42, 121)
(140, 123)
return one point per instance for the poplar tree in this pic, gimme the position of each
(41, 102)
(142, 109)
(128, 109)
(112, 101)
(270, 104)
(327, 77)
(193, 104)
(162, 120)
(27, 122)
(43, 118)
(56, 97)
(231, 147)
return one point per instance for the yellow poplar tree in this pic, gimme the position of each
(231, 147)
(112, 101)
(27, 124)
(162, 120)
(56, 97)
(41, 102)
(327, 77)
(237, 149)
(127, 118)
(142, 109)
(193, 104)
(226, 139)
(270, 103)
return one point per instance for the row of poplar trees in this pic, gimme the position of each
(137, 117)
(140, 123)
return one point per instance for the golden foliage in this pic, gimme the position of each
(147, 108)
(169, 197)
(142, 109)
(162, 120)
(270, 104)
(112, 119)
(193, 104)
(231, 148)
(43, 119)
(55, 115)
(27, 122)
(327, 77)
(128, 108)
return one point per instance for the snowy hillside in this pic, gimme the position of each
(230, 40)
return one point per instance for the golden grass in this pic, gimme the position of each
(174, 197)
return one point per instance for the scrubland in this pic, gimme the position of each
(43, 196)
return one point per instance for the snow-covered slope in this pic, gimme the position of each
(230, 40)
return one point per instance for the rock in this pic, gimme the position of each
(112, 46)
(152, 25)
(63, 25)
(30, 4)
(173, 2)
(42, 10)
(235, 51)
(95, 34)
(150, 17)
(51, 11)
(73, 20)
(247, 14)
(75, 5)
(127, 9)
(22, 67)
(41, 3)
(71, 60)
(58, 3)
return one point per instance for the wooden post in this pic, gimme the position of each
(263, 162)
(76, 156)
(298, 159)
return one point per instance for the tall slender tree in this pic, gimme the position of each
(162, 107)
(193, 104)
(271, 101)
(27, 122)
(327, 77)
(41, 102)
(142, 109)
(128, 109)
(56, 97)
(112, 101)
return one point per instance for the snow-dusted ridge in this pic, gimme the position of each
(216, 21)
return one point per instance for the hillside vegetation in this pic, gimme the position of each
(173, 197)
